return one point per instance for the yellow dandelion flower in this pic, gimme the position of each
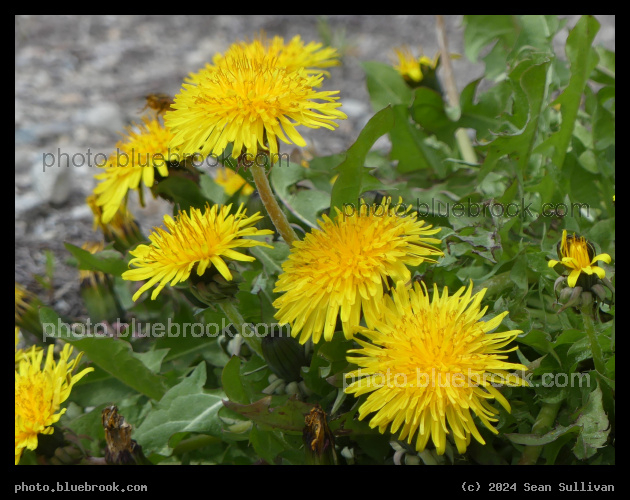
(137, 157)
(429, 364)
(195, 240)
(410, 67)
(231, 182)
(342, 268)
(292, 56)
(295, 55)
(250, 103)
(39, 392)
(578, 255)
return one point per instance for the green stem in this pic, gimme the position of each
(271, 205)
(544, 423)
(463, 141)
(589, 326)
(600, 366)
(251, 338)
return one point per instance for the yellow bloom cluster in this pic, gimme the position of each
(39, 392)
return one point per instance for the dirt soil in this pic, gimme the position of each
(80, 79)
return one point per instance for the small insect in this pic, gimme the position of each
(160, 103)
(318, 439)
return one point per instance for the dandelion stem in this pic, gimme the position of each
(543, 424)
(463, 141)
(598, 361)
(249, 335)
(271, 205)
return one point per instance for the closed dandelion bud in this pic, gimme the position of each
(284, 355)
(319, 442)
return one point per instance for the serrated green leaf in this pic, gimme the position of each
(583, 60)
(595, 427)
(185, 407)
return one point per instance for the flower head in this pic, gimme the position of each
(251, 103)
(342, 268)
(137, 157)
(411, 67)
(430, 363)
(39, 392)
(578, 255)
(291, 56)
(193, 241)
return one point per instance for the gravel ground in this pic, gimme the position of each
(80, 79)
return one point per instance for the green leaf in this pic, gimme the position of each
(183, 192)
(532, 79)
(186, 407)
(595, 427)
(583, 59)
(385, 85)
(482, 30)
(107, 261)
(409, 142)
(211, 190)
(115, 356)
(267, 444)
(302, 202)
(349, 185)
(232, 382)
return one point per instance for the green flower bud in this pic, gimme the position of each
(284, 355)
